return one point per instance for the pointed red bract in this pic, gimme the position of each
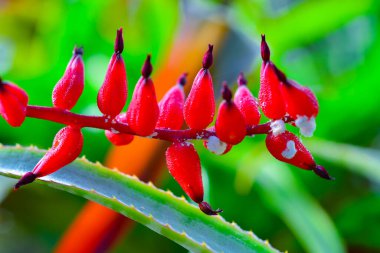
(13, 103)
(286, 147)
(300, 101)
(112, 95)
(270, 98)
(143, 110)
(184, 165)
(70, 87)
(246, 103)
(199, 107)
(171, 108)
(67, 146)
(230, 124)
(119, 139)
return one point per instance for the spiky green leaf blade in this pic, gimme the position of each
(160, 211)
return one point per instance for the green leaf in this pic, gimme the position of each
(5, 187)
(364, 161)
(303, 215)
(284, 195)
(160, 211)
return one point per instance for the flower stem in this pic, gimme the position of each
(101, 122)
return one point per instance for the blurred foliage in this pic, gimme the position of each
(330, 45)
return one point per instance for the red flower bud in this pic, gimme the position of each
(13, 103)
(246, 103)
(67, 146)
(299, 100)
(113, 93)
(270, 98)
(286, 147)
(119, 139)
(171, 107)
(184, 165)
(230, 124)
(199, 107)
(301, 104)
(69, 88)
(143, 110)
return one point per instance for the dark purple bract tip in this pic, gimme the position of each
(241, 79)
(28, 178)
(206, 208)
(78, 50)
(322, 172)
(147, 67)
(2, 84)
(265, 52)
(208, 58)
(280, 75)
(119, 41)
(182, 80)
(226, 92)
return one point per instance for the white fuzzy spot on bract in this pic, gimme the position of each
(290, 150)
(278, 127)
(306, 125)
(215, 145)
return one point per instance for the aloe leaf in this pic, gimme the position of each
(160, 211)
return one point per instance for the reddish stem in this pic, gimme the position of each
(101, 122)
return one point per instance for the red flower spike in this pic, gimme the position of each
(113, 93)
(287, 148)
(199, 107)
(13, 103)
(246, 103)
(70, 87)
(67, 146)
(171, 106)
(184, 165)
(230, 124)
(143, 110)
(270, 98)
(301, 104)
(119, 139)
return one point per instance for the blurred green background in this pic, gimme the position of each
(331, 46)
